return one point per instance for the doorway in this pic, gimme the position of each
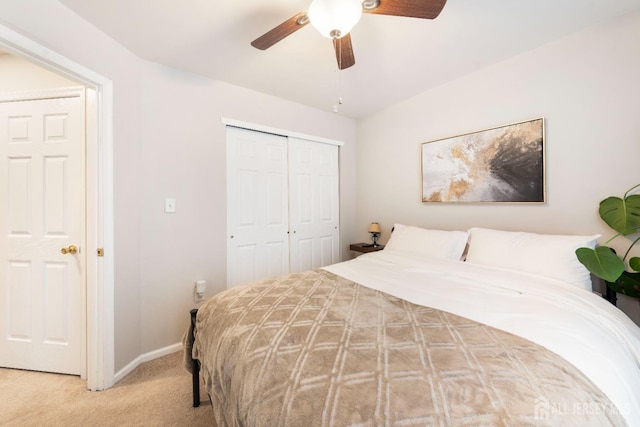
(99, 348)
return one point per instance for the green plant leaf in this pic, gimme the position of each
(634, 263)
(602, 262)
(623, 215)
(628, 284)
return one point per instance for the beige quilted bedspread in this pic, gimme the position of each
(314, 349)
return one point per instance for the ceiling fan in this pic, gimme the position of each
(335, 19)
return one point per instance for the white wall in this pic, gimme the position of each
(184, 156)
(18, 74)
(168, 142)
(586, 86)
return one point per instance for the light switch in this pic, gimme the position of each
(169, 205)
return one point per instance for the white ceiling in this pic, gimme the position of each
(396, 57)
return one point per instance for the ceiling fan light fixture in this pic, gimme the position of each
(335, 18)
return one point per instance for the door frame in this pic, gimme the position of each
(283, 132)
(100, 347)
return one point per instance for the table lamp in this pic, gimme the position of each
(375, 231)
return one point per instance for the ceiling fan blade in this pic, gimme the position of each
(425, 9)
(283, 30)
(344, 52)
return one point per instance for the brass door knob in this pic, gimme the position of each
(70, 250)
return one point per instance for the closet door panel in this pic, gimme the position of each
(314, 209)
(257, 206)
(328, 250)
(301, 254)
(245, 263)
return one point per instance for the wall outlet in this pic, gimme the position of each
(199, 290)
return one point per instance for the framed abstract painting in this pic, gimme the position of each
(501, 164)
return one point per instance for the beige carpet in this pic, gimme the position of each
(156, 393)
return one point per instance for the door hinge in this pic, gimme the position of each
(100, 251)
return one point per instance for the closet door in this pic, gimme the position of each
(313, 204)
(257, 206)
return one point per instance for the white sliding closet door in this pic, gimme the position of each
(313, 204)
(282, 205)
(257, 211)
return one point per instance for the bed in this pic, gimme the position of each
(477, 327)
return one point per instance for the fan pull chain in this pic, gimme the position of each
(336, 105)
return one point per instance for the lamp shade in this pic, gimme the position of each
(335, 18)
(374, 228)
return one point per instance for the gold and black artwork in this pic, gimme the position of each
(502, 164)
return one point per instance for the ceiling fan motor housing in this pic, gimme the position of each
(370, 4)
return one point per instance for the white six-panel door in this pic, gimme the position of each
(313, 204)
(41, 212)
(282, 205)
(257, 215)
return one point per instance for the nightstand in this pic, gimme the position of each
(364, 248)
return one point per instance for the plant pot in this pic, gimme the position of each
(628, 284)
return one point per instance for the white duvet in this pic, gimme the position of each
(579, 325)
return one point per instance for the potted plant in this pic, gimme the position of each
(623, 216)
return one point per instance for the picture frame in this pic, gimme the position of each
(504, 164)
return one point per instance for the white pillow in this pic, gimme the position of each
(543, 254)
(430, 243)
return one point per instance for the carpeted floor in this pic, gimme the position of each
(156, 393)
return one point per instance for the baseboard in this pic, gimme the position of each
(145, 358)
